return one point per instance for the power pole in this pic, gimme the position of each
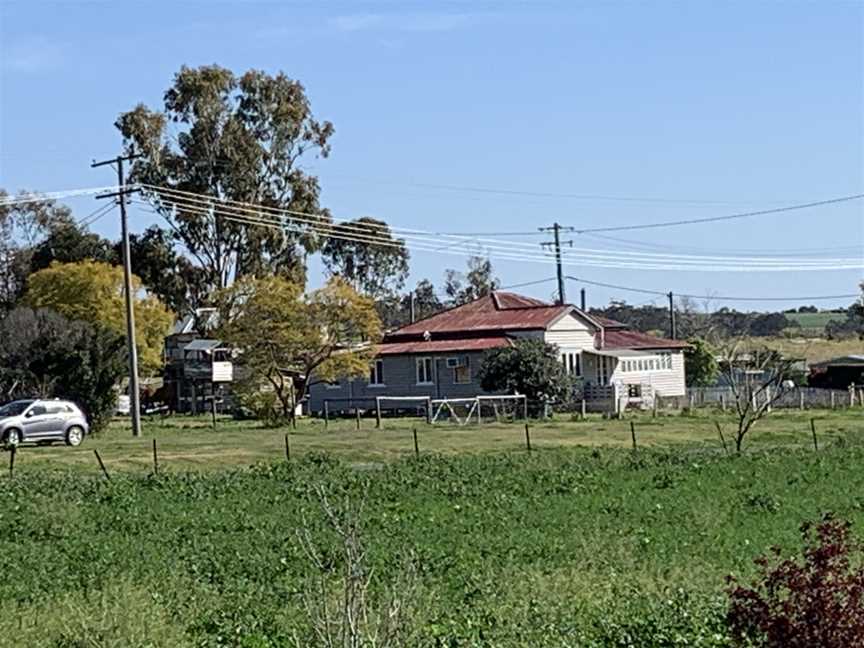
(556, 243)
(135, 409)
(673, 331)
(412, 306)
(582, 300)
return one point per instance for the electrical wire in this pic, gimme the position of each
(660, 293)
(249, 212)
(96, 214)
(366, 237)
(716, 219)
(54, 195)
(851, 249)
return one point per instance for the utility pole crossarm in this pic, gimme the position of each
(134, 393)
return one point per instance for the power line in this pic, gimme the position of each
(54, 195)
(611, 258)
(662, 293)
(715, 219)
(95, 215)
(528, 283)
(601, 259)
(786, 252)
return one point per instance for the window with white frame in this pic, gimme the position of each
(376, 374)
(666, 360)
(424, 371)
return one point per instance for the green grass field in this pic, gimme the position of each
(581, 542)
(191, 443)
(815, 321)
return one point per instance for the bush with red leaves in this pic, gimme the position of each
(817, 602)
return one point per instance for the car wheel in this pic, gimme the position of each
(74, 436)
(13, 438)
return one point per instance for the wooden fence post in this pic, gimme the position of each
(768, 398)
(479, 413)
(801, 400)
(722, 438)
(524, 407)
(633, 433)
(378, 412)
(12, 452)
(357, 416)
(416, 445)
(851, 396)
(287, 448)
(213, 410)
(155, 459)
(101, 465)
(833, 400)
(429, 410)
(527, 438)
(583, 409)
(722, 402)
(654, 406)
(326, 414)
(813, 430)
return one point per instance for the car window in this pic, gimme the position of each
(54, 408)
(15, 408)
(38, 410)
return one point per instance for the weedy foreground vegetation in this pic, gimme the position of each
(557, 547)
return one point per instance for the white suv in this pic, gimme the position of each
(42, 421)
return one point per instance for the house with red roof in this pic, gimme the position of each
(440, 356)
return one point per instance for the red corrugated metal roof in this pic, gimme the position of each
(616, 339)
(499, 311)
(444, 346)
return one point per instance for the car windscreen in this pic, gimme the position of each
(14, 408)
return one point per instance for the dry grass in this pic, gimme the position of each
(190, 443)
(813, 349)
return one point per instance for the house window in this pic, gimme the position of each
(462, 375)
(335, 384)
(572, 363)
(376, 373)
(666, 360)
(424, 371)
(603, 370)
(634, 391)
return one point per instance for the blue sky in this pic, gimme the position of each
(714, 108)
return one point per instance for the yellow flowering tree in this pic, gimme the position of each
(288, 338)
(90, 291)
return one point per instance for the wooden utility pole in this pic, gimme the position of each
(673, 329)
(556, 245)
(120, 194)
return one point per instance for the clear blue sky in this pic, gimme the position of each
(748, 104)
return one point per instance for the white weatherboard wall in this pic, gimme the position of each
(570, 333)
(665, 382)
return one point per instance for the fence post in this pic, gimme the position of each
(833, 400)
(851, 396)
(524, 407)
(155, 459)
(654, 406)
(287, 448)
(479, 413)
(213, 410)
(12, 452)
(722, 438)
(326, 414)
(527, 438)
(429, 410)
(416, 446)
(633, 433)
(357, 416)
(801, 400)
(378, 412)
(768, 398)
(101, 465)
(583, 408)
(722, 402)
(813, 430)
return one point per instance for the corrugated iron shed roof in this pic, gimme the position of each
(444, 346)
(617, 339)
